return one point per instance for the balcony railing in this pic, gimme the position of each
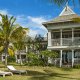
(55, 42)
(66, 41)
(21, 52)
(76, 41)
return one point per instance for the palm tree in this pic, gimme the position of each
(38, 40)
(62, 2)
(59, 2)
(20, 46)
(9, 33)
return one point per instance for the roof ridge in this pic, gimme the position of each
(67, 11)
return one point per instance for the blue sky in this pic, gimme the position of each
(31, 13)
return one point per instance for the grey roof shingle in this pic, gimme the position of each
(64, 18)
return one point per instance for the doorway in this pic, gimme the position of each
(66, 57)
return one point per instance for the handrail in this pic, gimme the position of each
(66, 41)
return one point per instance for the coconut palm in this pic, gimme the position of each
(20, 46)
(62, 2)
(9, 33)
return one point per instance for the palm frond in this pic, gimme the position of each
(59, 2)
(10, 51)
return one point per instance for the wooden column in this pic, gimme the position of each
(60, 58)
(72, 44)
(72, 58)
(49, 38)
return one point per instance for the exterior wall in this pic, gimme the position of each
(20, 54)
(70, 46)
(23, 58)
(23, 53)
(72, 42)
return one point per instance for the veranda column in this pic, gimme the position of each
(61, 37)
(49, 38)
(72, 44)
(2, 58)
(16, 57)
(60, 58)
(72, 58)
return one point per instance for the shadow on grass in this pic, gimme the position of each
(48, 75)
(35, 73)
(66, 69)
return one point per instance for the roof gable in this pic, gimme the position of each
(67, 11)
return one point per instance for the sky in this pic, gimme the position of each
(31, 13)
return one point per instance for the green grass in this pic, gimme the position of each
(43, 73)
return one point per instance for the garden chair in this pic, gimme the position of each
(13, 70)
(3, 73)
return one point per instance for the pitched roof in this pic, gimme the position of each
(66, 15)
(67, 11)
(65, 18)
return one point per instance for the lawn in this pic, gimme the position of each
(43, 73)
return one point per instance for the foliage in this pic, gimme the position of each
(63, 2)
(1, 48)
(34, 59)
(11, 59)
(10, 51)
(41, 58)
(32, 55)
(9, 33)
(77, 66)
(59, 2)
(46, 54)
(38, 40)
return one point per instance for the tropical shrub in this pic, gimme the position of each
(11, 59)
(77, 66)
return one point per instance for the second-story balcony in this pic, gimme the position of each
(65, 41)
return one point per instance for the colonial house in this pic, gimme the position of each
(64, 37)
(19, 55)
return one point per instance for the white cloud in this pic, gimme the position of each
(37, 21)
(33, 23)
(4, 11)
(22, 20)
(33, 33)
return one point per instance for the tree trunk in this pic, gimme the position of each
(6, 53)
(20, 58)
(5, 59)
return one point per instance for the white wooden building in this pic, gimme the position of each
(64, 37)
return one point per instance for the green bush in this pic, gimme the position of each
(77, 66)
(40, 59)
(11, 59)
(50, 65)
(35, 62)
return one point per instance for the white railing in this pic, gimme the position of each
(76, 60)
(55, 42)
(21, 52)
(66, 41)
(76, 41)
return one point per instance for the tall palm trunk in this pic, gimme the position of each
(6, 52)
(20, 58)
